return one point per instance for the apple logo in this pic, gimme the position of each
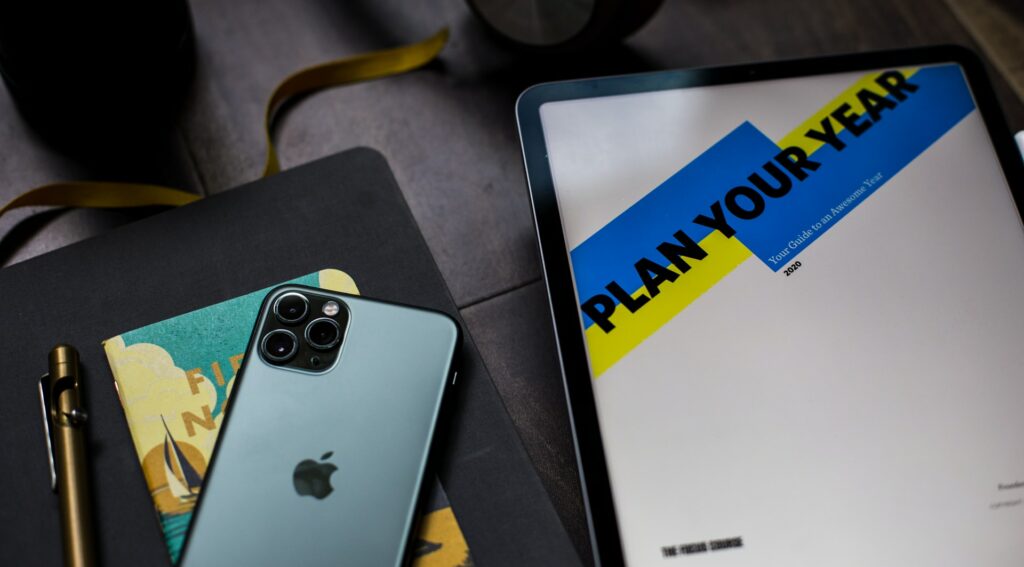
(314, 479)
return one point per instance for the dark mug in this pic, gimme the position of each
(82, 69)
(564, 25)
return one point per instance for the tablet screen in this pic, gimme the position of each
(802, 307)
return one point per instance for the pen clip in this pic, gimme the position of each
(44, 404)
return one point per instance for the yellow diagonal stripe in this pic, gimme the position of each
(605, 349)
(797, 138)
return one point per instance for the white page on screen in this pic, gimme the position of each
(825, 367)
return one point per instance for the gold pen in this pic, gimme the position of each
(64, 419)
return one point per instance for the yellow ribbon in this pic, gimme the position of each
(366, 67)
(100, 194)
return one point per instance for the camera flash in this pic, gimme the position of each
(331, 308)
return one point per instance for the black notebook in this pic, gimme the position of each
(343, 211)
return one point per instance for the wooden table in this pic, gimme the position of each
(449, 133)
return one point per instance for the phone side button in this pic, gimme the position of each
(455, 376)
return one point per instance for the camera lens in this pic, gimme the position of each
(279, 346)
(323, 333)
(291, 308)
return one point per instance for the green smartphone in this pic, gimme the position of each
(327, 435)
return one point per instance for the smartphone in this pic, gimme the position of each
(327, 435)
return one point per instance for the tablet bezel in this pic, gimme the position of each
(554, 255)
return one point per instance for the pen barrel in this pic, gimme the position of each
(70, 459)
(75, 507)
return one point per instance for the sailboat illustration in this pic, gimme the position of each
(186, 485)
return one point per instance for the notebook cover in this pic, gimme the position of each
(344, 210)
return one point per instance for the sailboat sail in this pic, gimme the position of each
(178, 489)
(190, 480)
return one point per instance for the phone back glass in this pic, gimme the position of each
(368, 421)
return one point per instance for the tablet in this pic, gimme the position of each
(787, 299)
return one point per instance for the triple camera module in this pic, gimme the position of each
(304, 331)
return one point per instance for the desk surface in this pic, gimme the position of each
(449, 134)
